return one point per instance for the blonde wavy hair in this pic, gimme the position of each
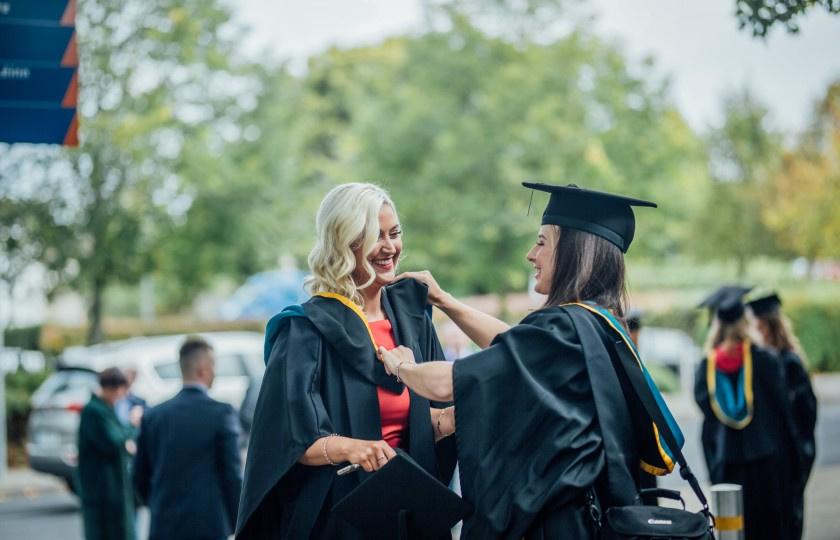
(732, 332)
(347, 221)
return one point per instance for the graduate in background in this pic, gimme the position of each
(537, 428)
(742, 392)
(325, 398)
(777, 333)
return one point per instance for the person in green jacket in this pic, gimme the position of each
(105, 446)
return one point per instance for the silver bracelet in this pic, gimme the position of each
(326, 455)
(398, 369)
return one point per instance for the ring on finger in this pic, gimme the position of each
(380, 458)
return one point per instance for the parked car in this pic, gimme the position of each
(57, 404)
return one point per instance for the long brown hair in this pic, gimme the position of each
(588, 267)
(780, 334)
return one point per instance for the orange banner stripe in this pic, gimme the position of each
(71, 96)
(71, 138)
(69, 17)
(729, 523)
(71, 53)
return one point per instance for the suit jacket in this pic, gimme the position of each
(188, 468)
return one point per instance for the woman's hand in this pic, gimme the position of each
(371, 455)
(393, 358)
(437, 296)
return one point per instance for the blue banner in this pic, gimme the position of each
(34, 11)
(34, 45)
(28, 84)
(37, 125)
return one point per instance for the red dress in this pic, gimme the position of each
(393, 408)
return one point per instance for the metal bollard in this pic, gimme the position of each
(728, 508)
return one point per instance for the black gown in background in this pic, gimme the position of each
(536, 429)
(804, 416)
(321, 378)
(761, 457)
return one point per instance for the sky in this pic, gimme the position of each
(696, 44)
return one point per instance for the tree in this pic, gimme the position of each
(452, 121)
(805, 194)
(158, 94)
(760, 15)
(743, 157)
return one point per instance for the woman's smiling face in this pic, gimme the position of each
(542, 257)
(386, 252)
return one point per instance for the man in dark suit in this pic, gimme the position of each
(188, 468)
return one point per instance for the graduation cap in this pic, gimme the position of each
(727, 302)
(765, 304)
(603, 214)
(403, 501)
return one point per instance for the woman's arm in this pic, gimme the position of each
(432, 380)
(334, 449)
(480, 327)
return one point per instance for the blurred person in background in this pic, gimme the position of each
(326, 398)
(742, 391)
(105, 447)
(777, 333)
(130, 410)
(188, 468)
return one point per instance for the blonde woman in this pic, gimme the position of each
(777, 333)
(326, 399)
(742, 392)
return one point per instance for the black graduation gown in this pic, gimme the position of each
(804, 416)
(321, 378)
(760, 457)
(536, 429)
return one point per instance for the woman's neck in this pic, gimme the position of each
(373, 303)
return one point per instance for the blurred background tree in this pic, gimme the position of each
(159, 98)
(198, 166)
(805, 195)
(759, 16)
(743, 157)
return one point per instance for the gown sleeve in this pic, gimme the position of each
(527, 430)
(289, 416)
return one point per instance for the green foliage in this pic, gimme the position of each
(24, 337)
(20, 385)
(452, 122)
(801, 204)
(758, 16)
(743, 159)
(816, 327)
(158, 95)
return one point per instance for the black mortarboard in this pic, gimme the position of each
(603, 214)
(401, 500)
(765, 304)
(726, 302)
